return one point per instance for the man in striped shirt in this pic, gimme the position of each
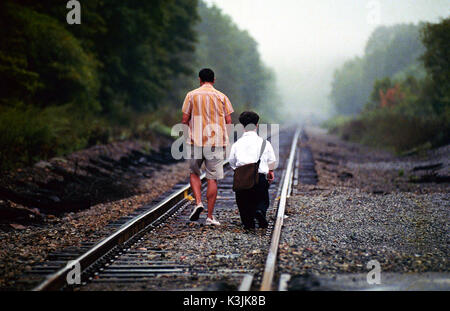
(206, 111)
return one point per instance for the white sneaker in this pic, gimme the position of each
(212, 222)
(196, 212)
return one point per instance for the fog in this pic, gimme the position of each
(304, 41)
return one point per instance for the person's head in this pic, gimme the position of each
(206, 75)
(249, 120)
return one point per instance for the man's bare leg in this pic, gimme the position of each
(211, 195)
(196, 186)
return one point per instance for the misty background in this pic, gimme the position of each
(372, 71)
(304, 41)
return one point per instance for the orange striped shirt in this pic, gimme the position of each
(207, 108)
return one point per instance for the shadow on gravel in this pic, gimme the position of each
(430, 281)
(305, 282)
(306, 167)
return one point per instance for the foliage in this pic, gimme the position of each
(233, 55)
(436, 38)
(349, 89)
(30, 133)
(406, 109)
(43, 64)
(390, 51)
(122, 73)
(336, 122)
(139, 45)
(390, 129)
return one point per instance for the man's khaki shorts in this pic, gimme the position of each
(213, 157)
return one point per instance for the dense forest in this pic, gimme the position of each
(121, 73)
(397, 94)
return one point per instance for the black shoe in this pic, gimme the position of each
(196, 213)
(249, 225)
(262, 221)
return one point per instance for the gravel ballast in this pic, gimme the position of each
(341, 231)
(362, 209)
(21, 248)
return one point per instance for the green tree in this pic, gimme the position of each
(436, 38)
(233, 55)
(392, 51)
(142, 50)
(43, 64)
(348, 88)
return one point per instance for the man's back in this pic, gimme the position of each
(207, 108)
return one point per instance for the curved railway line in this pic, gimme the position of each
(159, 249)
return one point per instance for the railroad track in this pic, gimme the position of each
(159, 249)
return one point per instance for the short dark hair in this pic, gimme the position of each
(248, 117)
(206, 75)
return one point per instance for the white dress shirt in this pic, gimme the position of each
(246, 150)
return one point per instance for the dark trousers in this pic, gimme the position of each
(252, 200)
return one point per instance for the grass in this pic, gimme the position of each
(29, 134)
(387, 129)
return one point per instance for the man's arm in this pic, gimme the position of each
(270, 156)
(271, 161)
(232, 157)
(186, 118)
(228, 119)
(228, 110)
(187, 109)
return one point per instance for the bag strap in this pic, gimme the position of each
(262, 150)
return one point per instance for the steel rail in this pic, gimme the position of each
(58, 279)
(269, 271)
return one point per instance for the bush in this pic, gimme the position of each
(29, 134)
(389, 129)
(334, 123)
(42, 63)
(24, 135)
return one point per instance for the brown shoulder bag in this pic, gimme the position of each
(246, 176)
